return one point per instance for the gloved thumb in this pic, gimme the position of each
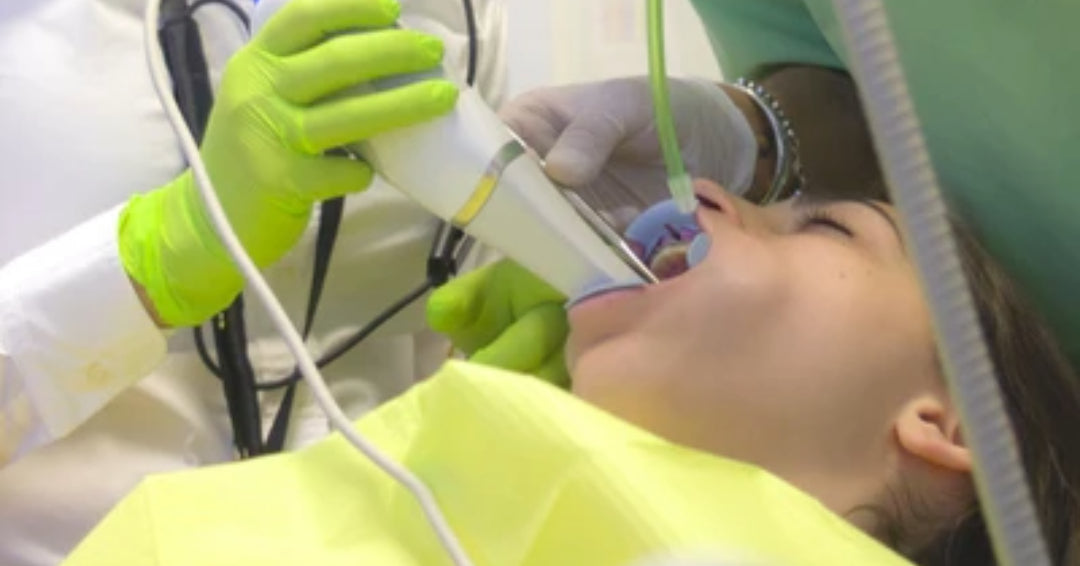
(583, 149)
(454, 305)
(333, 176)
(528, 342)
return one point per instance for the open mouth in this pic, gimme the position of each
(670, 261)
(663, 238)
(666, 252)
(667, 240)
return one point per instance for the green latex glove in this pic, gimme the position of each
(503, 315)
(276, 113)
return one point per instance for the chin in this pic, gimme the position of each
(592, 367)
(614, 376)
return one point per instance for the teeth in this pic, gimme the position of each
(670, 261)
(661, 235)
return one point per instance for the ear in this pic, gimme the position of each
(927, 430)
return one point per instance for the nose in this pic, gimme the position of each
(713, 197)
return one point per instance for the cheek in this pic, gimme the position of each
(729, 296)
(657, 348)
(861, 329)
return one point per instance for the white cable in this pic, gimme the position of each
(156, 61)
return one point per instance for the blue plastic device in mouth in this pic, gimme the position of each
(600, 290)
(659, 227)
(662, 225)
(699, 248)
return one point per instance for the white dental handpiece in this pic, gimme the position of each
(469, 169)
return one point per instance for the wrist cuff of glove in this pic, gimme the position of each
(168, 246)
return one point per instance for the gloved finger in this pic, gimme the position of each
(524, 288)
(554, 370)
(457, 304)
(299, 24)
(534, 124)
(349, 119)
(333, 176)
(530, 340)
(584, 147)
(529, 290)
(353, 59)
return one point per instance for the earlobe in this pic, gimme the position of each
(929, 431)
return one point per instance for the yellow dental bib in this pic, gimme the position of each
(526, 474)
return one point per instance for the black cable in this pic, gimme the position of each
(351, 342)
(279, 429)
(439, 274)
(438, 270)
(474, 42)
(236, 9)
(448, 247)
(330, 214)
(182, 46)
(275, 441)
(374, 325)
(191, 88)
(240, 394)
(343, 347)
(204, 353)
(233, 366)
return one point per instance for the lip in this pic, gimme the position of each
(618, 293)
(604, 298)
(603, 290)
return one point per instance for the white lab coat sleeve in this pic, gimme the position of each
(73, 335)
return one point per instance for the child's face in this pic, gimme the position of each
(792, 344)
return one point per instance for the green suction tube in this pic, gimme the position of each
(678, 181)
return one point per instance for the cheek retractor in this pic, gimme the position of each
(699, 248)
(666, 240)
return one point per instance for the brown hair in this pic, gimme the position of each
(1042, 397)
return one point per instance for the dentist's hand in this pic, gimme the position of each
(503, 315)
(275, 115)
(602, 136)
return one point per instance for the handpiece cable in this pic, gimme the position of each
(239, 382)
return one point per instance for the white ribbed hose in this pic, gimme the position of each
(999, 475)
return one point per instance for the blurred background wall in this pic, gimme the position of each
(565, 41)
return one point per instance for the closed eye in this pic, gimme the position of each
(822, 217)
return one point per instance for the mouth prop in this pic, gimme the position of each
(670, 260)
(664, 239)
